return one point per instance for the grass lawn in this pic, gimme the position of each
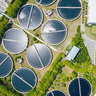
(93, 30)
(89, 33)
(59, 84)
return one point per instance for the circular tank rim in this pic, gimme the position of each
(6, 48)
(49, 61)
(56, 90)
(41, 16)
(27, 69)
(11, 63)
(81, 78)
(47, 4)
(64, 37)
(68, 19)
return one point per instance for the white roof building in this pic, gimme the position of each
(91, 19)
(95, 94)
(74, 51)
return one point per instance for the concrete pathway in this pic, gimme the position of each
(90, 44)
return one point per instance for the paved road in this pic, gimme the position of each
(90, 44)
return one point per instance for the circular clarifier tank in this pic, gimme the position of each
(39, 56)
(45, 2)
(15, 41)
(54, 32)
(24, 80)
(69, 9)
(30, 17)
(79, 87)
(6, 64)
(56, 93)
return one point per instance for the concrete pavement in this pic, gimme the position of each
(90, 44)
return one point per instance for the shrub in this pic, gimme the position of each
(34, 39)
(48, 78)
(37, 34)
(74, 74)
(16, 58)
(14, 6)
(4, 91)
(3, 26)
(37, 41)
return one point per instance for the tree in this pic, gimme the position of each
(34, 39)
(14, 6)
(94, 70)
(74, 74)
(3, 26)
(83, 55)
(4, 91)
(90, 68)
(48, 78)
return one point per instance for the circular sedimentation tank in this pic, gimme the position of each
(69, 9)
(79, 87)
(24, 80)
(39, 56)
(30, 17)
(56, 93)
(15, 41)
(6, 64)
(45, 2)
(54, 32)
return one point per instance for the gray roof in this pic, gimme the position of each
(74, 51)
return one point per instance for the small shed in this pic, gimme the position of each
(19, 61)
(72, 54)
(49, 12)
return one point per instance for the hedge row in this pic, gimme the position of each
(48, 78)
(4, 91)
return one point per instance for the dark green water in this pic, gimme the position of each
(84, 85)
